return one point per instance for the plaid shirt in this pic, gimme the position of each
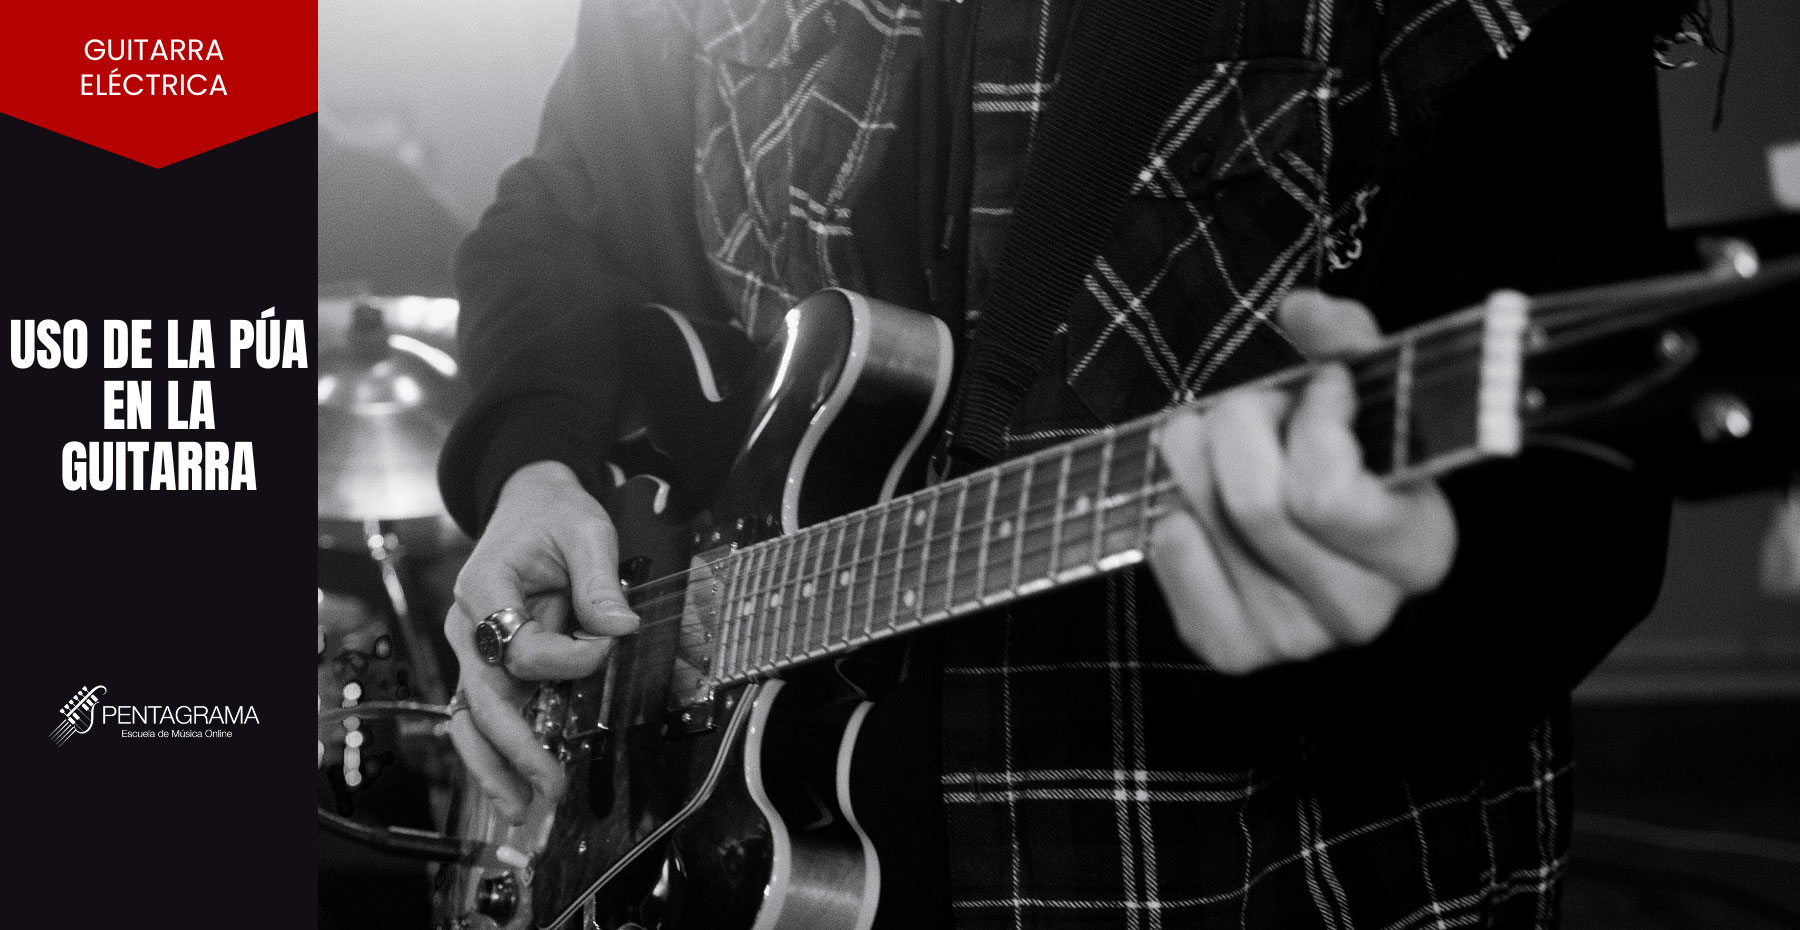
(1094, 773)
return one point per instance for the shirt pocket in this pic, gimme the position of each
(757, 139)
(1242, 121)
(1219, 224)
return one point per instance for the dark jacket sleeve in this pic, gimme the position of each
(1542, 173)
(597, 218)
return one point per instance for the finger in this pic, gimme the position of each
(1238, 616)
(1323, 326)
(1303, 594)
(543, 649)
(1275, 613)
(491, 773)
(536, 654)
(502, 723)
(592, 551)
(1406, 534)
(1209, 616)
(484, 586)
(1181, 444)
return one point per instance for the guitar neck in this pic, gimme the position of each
(1429, 399)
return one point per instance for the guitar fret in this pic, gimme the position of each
(1019, 530)
(1401, 456)
(970, 540)
(1144, 502)
(929, 527)
(772, 587)
(915, 583)
(1096, 536)
(1038, 528)
(949, 575)
(752, 586)
(790, 602)
(803, 584)
(1086, 469)
(987, 528)
(1120, 540)
(759, 632)
(805, 592)
(753, 590)
(827, 580)
(874, 573)
(809, 588)
(1057, 513)
(771, 635)
(768, 610)
(778, 598)
(849, 575)
(900, 562)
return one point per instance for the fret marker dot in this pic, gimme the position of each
(844, 579)
(806, 590)
(919, 518)
(775, 599)
(907, 598)
(1003, 530)
(1081, 506)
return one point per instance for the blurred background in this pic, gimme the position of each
(1688, 780)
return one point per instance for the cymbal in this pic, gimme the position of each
(431, 320)
(386, 403)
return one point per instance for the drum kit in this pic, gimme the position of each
(387, 396)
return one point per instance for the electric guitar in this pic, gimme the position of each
(764, 529)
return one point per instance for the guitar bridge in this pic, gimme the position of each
(558, 729)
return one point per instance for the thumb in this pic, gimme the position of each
(598, 599)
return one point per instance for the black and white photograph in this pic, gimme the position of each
(1055, 464)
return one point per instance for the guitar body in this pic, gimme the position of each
(694, 807)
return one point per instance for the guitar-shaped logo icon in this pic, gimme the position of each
(77, 714)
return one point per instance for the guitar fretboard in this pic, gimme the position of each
(1429, 399)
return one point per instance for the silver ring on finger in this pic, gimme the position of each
(495, 631)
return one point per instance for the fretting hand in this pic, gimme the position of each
(1287, 546)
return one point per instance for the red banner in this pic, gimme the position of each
(159, 82)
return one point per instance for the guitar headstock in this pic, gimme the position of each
(1691, 377)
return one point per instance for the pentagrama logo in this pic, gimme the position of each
(77, 714)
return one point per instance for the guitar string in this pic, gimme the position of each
(866, 593)
(1453, 339)
(1037, 519)
(759, 634)
(897, 623)
(893, 564)
(1146, 495)
(1034, 508)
